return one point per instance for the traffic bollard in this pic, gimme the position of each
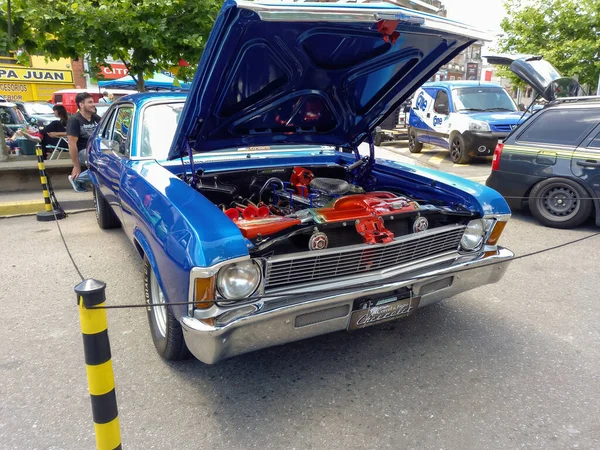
(49, 214)
(98, 364)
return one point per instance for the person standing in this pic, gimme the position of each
(105, 98)
(80, 127)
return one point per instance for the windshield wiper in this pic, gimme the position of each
(472, 109)
(500, 109)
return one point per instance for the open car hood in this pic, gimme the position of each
(310, 73)
(539, 74)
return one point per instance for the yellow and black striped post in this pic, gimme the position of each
(49, 214)
(98, 364)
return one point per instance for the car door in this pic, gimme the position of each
(115, 151)
(438, 135)
(585, 163)
(420, 118)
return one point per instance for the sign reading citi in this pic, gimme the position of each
(36, 75)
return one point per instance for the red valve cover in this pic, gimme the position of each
(361, 206)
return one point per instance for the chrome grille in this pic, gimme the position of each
(360, 259)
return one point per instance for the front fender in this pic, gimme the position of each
(176, 227)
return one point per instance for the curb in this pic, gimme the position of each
(31, 207)
(22, 207)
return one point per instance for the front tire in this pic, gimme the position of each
(105, 216)
(458, 150)
(166, 331)
(560, 203)
(414, 146)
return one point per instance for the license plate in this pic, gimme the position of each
(385, 310)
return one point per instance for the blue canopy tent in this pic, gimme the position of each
(158, 81)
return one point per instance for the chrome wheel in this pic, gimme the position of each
(160, 312)
(559, 203)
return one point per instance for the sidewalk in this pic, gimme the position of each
(30, 202)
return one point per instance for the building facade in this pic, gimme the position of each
(38, 80)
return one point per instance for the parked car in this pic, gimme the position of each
(466, 117)
(393, 126)
(552, 163)
(66, 97)
(249, 200)
(41, 112)
(11, 116)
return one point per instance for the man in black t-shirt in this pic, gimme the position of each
(79, 129)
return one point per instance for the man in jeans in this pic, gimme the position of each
(79, 129)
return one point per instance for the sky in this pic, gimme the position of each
(485, 15)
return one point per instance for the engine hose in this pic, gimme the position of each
(267, 183)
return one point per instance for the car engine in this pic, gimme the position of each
(313, 209)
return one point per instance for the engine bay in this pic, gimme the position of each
(296, 209)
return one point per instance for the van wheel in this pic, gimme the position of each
(458, 150)
(165, 328)
(414, 146)
(105, 216)
(560, 203)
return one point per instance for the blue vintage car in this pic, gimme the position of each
(258, 220)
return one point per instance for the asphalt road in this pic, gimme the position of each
(512, 365)
(439, 158)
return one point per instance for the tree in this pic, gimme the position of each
(564, 32)
(146, 35)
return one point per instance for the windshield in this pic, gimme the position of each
(38, 108)
(159, 123)
(481, 98)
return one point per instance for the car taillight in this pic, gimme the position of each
(496, 158)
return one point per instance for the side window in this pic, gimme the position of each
(441, 103)
(107, 125)
(122, 126)
(595, 144)
(5, 116)
(561, 127)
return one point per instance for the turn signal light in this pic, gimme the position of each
(497, 155)
(204, 292)
(496, 232)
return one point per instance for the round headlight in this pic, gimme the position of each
(238, 280)
(473, 235)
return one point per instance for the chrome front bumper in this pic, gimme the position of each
(301, 316)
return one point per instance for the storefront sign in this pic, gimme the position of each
(32, 75)
(113, 71)
(27, 92)
(472, 71)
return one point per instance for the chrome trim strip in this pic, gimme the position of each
(298, 12)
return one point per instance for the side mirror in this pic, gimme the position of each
(522, 107)
(407, 108)
(33, 121)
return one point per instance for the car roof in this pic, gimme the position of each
(575, 102)
(8, 104)
(461, 83)
(146, 97)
